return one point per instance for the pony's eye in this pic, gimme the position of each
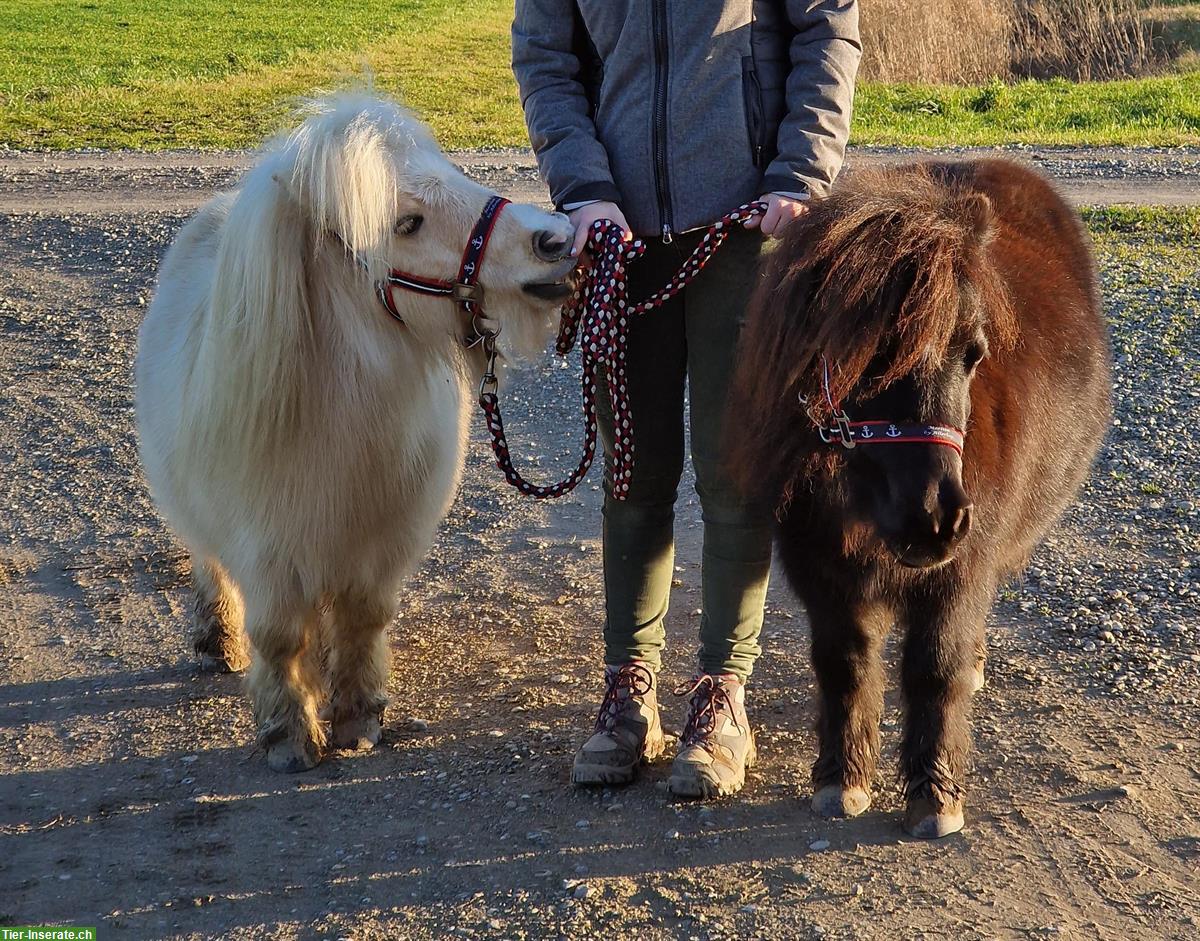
(975, 352)
(408, 225)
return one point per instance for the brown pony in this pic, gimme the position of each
(912, 305)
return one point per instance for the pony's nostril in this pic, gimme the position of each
(951, 511)
(551, 246)
(960, 522)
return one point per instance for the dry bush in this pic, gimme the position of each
(970, 41)
(939, 41)
(1083, 40)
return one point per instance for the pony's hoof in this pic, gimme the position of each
(359, 733)
(927, 819)
(290, 757)
(833, 800)
(978, 678)
(218, 649)
(234, 663)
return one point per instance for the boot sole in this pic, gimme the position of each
(585, 775)
(703, 787)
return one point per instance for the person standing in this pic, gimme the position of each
(663, 115)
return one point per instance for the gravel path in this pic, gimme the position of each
(91, 182)
(129, 798)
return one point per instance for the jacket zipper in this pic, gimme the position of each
(752, 99)
(659, 143)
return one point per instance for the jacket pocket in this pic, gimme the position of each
(752, 99)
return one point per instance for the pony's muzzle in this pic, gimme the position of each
(933, 530)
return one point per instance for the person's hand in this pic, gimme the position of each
(780, 211)
(583, 217)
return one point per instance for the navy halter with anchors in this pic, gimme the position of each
(849, 434)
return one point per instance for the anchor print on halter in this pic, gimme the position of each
(835, 427)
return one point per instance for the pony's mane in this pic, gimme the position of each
(877, 273)
(876, 280)
(335, 176)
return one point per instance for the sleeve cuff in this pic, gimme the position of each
(786, 185)
(589, 193)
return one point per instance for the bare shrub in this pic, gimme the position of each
(971, 41)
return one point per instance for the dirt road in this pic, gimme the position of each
(130, 799)
(98, 182)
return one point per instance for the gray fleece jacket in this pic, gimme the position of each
(680, 110)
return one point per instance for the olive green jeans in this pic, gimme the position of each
(690, 341)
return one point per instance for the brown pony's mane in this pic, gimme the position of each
(878, 272)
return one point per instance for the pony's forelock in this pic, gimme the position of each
(350, 161)
(874, 280)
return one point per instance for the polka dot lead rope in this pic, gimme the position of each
(599, 310)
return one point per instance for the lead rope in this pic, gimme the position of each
(599, 309)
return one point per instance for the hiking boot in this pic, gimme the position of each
(628, 731)
(717, 745)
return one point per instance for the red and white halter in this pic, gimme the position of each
(465, 289)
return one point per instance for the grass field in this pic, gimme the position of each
(157, 74)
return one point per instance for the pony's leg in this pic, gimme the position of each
(846, 644)
(285, 680)
(943, 627)
(359, 660)
(216, 632)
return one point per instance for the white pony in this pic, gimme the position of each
(300, 441)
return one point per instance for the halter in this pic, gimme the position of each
(465, 289)
(849, 434)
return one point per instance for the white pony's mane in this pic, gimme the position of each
(337, 176)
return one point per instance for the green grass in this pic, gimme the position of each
(156, 74)
(225, 73)
(1143, 112)
(1168, 225)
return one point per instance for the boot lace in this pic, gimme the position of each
(709, 699)
(633, 680)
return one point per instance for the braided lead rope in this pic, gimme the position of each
(599, 309)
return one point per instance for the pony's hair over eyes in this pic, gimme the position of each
(874, 279)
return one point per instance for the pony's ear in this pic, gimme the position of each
(975, 210)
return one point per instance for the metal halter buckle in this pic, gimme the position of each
(467, 293)
(837, 432)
